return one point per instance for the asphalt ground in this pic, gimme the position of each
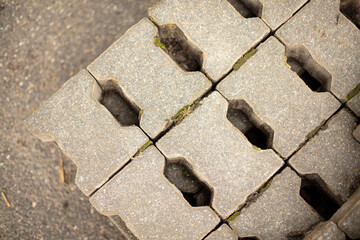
(42, 44)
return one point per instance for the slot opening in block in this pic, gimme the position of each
(196, 192)
(174, 42)
(248, 238)
(241, 115)
(351, 10)
(247, 8)
(316, 77)
(317, 194)
(115, 101)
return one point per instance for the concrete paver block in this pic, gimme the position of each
(224, 232)
(278, 213)
(211, 25)
(354, 104)
(85, 131)
(331, 39)
(334, 155)
(219, 154)
(356, 133)
(149, 77)
(149, 204)
(279, 96)
(274, 13)
(348, 216)
(326, 231)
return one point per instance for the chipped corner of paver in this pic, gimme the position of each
(212, 145)
(210, 31)
(278, 213)
(224, 232)
(141, 68)
(287, 112)
(151, 206)
(321, 34)
(333, 154)
(74, 119)
(325, 231)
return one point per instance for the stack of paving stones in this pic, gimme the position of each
(220, 120)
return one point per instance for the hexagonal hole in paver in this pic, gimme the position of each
(196, 192)
(247, 8)
(241, 115)
(316, 77)
(317, 194)
(174, 42)
(351, 10)
(124, 111)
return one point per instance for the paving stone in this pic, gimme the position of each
(356, 133)
(85, 131)
(224, 232)
(334, 155)
(278, 213)
(354, 104)
(148, 77)
(274, 13)
(149, 204)
(326, 231)
(219, 154)
(211, 27)
(278, 96)
(348, 216)
(330, 38)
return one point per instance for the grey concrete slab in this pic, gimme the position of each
(356, 133)
(224, 232)
(85, 131)
(331, 39)
(278, 213)
(354, 104)
(333, 154)
(348, 216)
(274, 13)
(211, 25)
(149, 204)
(219, 154)
(278, 96)
(326, 231)
(148, 77)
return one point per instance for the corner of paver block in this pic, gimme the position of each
(85, 131)
(224, 232)
(356, 133)
(325, 231)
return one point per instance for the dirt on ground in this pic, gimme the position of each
(42, 44)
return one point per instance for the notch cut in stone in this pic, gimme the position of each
(194, 191)
(247, 8)
(241, 115)
(351, 10)
(176, 44)
(317, 194)
(113, 98)
(316, 77)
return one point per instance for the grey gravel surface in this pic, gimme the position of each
(42, 44)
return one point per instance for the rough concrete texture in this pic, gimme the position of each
(331, 40)
(356, 133)
(211, 27)
(354, 104)
(232, 168)
(274, 13)
(279, 213)
(149, 77)
(348, 216)
(151, 206)
(85, 131)
(43, 44)
(278, 96)
(224, 232)
(326, 231)
(333, 154)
